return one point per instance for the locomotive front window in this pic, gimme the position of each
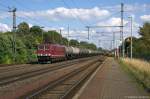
(46, 47)
(40, 47)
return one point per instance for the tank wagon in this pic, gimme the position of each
(55, 52)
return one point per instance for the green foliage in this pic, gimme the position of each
(87, 45)
(100, 49)
(141, 46)
(52, 37)
(5, 49)
(145, 31)
(23, 29)
(27, 40)
(36, 31)
(64, 41)
(74, 43)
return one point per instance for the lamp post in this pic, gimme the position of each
(131, 37)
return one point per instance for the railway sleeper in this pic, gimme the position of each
(57, 92)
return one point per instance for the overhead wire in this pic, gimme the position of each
(76, 17)
(4, 6)
(35, 20)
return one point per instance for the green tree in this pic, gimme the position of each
(23, 29)
(74, 43)
(92, 46)
(36, 31)
(52, 37)
(145, 31)
(64, 41)
(87, 45)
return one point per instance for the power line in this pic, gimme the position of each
(4, 5)
(22, 5)
(76, 17)
(4, 10)
(29, 18)
(35, 20)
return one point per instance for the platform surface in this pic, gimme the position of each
(111, 82)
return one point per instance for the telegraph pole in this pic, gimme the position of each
(13, 11)
(121, 30)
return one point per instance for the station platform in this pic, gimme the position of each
(111, 82)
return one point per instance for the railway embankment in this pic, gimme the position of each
(138, 70)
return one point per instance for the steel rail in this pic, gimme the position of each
(18, 77)
(62, 79)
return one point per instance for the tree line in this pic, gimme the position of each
(27, 40)
(141, 45)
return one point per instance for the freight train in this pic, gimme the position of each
(56, 52)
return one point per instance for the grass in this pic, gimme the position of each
(139, 69)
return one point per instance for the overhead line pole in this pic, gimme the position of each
(114, 42)
(13, 11)
(121, 30)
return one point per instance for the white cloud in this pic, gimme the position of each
(130, 8)
(30, 25)
(137, 7)
(145, 18)
(114, 21)
(4, 27)
(62, 13)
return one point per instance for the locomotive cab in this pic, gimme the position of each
(43, 54)
(50, 52)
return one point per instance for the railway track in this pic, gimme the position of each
(8, 67)
(23, 85)
(8, 79)
(64, 87)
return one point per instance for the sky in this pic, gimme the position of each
(77, 14)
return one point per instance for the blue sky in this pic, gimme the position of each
(56, 14)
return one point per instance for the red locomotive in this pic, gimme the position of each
(50, 52)
(55, 52)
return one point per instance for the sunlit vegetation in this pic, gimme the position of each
(27, 39)
(141, 45)
(140, 69)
